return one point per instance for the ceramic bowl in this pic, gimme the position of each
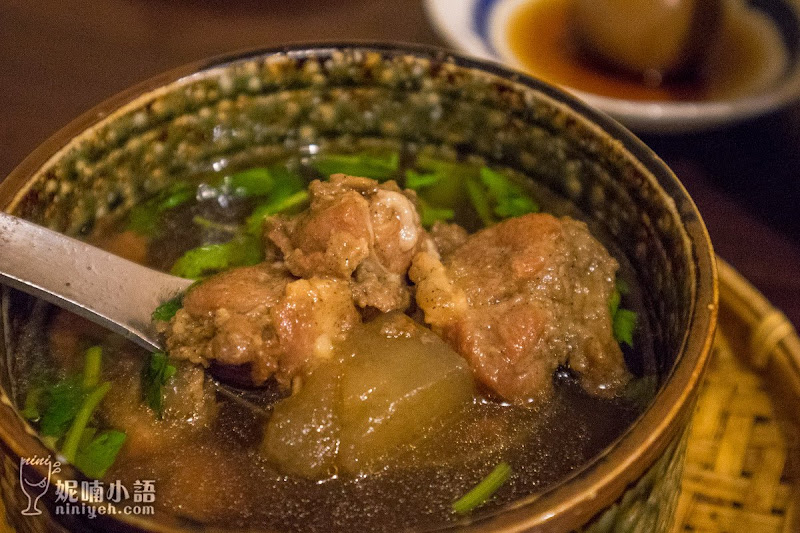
(249, 106)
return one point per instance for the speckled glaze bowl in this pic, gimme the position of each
(247, 107)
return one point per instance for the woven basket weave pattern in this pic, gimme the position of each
(742, 469)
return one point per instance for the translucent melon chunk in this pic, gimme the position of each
(393, 384)
(400, 383)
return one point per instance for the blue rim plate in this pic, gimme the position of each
(479, 28)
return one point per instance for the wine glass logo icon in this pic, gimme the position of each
(32, 484)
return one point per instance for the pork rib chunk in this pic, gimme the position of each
(358, 230)
(521, 298)
(262, 316)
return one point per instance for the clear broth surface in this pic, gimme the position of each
(215, 476)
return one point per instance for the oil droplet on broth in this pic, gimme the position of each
(748, 56)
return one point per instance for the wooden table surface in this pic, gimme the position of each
(60, 57)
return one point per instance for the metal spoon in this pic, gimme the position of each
(115, 293)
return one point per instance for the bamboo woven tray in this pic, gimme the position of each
(742, 470)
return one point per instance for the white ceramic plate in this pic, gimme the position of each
(479, 28)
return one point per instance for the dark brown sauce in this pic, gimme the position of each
(218, 479)
(747, 56)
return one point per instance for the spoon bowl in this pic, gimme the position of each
(118, 294)
(111, 291)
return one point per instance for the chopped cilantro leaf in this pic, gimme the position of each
(483, 490)
(275, 206)
(480, 202)
(144, 218)
(289, 193)
(177, 196)
(62, 402)
(251, 182)
(167, 310)
(155, 374)
(86, 437)
(509, 199)
(95, 457)
(623, 321)
(417, 181)
(87, 408)
(430, 215)
(443, 167)
(613, 302)
(67, 407)
(211, 258)
(91, 369)
(515, 207)
(624, 324)
(378, 167)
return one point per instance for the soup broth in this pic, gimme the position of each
(203, 454)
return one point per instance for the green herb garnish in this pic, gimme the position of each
(67, 407)
(624, 325)
(211, 258)
(378, 167)
(251, 182)
(430, 215)
(623, 321)
(167, 310)
(439, 190)
(613, 302)
(441, 183)
(208, 224)
(289, 193)
(91, 367)
(276, 206)
(508, 198)
(622, 286)
(144, 218)
(480, 202)
(61, 403)
(95, 455)
(32, 399)
(155, 374)
(483, 490)
(86, 410)
(417, 181)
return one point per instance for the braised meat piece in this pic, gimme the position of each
(521, 298)
(448, 237)
(358, 230)
(264, 317)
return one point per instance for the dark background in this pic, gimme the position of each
(60, 57)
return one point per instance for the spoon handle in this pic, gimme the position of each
(106, 289)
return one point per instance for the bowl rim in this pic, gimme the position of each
(595, 485)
